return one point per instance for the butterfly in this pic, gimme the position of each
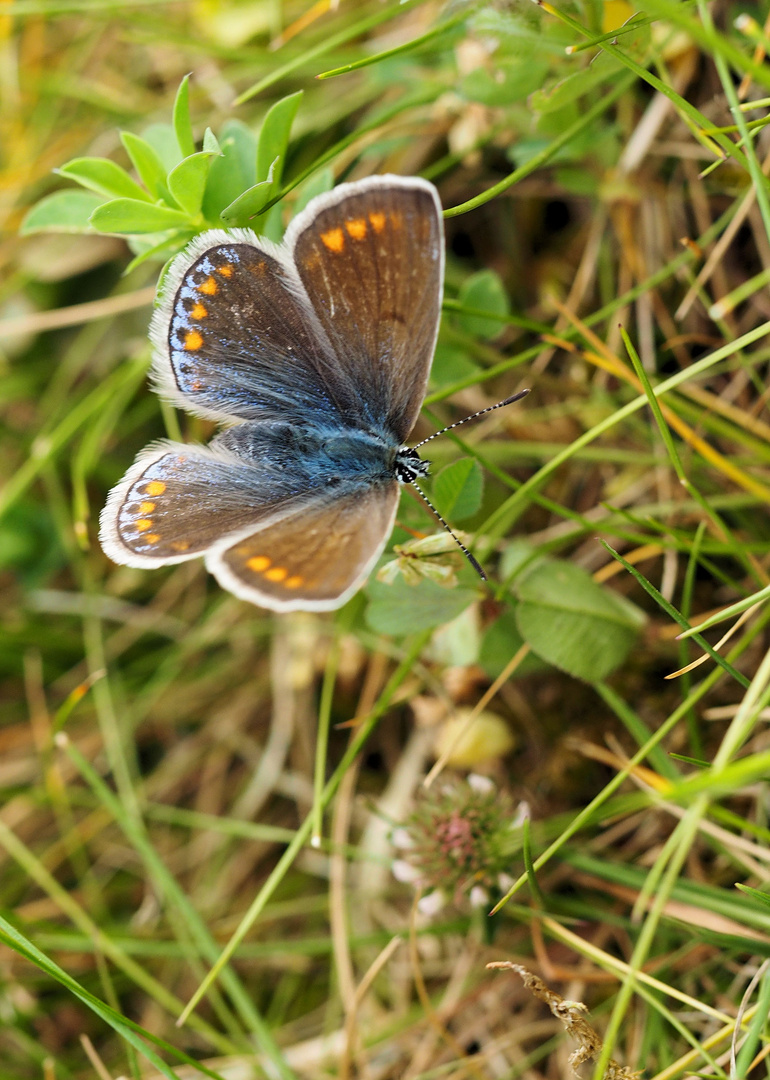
(316, 353)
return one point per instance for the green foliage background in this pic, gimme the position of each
(195, 795)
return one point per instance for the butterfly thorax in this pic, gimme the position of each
(375, 456)
(309, 456)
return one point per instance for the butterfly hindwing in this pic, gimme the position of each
(179, 500)
(313, 560)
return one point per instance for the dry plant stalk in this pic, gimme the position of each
(569, 1013)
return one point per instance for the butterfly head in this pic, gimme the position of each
(409, 465)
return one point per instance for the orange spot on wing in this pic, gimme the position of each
(258, 563)
(143, 525)
(225, 270)
(200, 311)
(152, 538)
(209, 287)
(356, 228)
(278, 573)
(378, 221)
(180, 545)
(154, 487)
(146, 508)
(396, 219)
(334, 240)
(294, 582)
(193, 340)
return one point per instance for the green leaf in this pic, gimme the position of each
(518, 557)
(30, 547)
(103, 176)
(499, 645)
(762, 897)
(579, 179)
(182, 123)
(273, 141)
(573, 623)
(458, 488)
(565, 92)
(457, 643)
(271, 224)
(160, 247)
(130, 1031)
(162, 139)
(234, 172)
(187, 181)
(133, 216)
(145, 160)
(274, 136)
(451, 363)
(211, 142)
(65, 211)
(250, 203)
(483, 291)
(511, 80)
(400, 609)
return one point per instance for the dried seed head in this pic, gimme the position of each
(458, 842)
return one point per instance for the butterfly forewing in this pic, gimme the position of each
(372, 264)
(313, 560)
(234, 336)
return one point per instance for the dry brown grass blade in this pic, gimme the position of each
(608, 962)
(467, 1065)
(607, 361)
(743, 617)
(77, 314)
(719, 249)
(96, 1060)
(478, 708)
(677, 909)
(760, 52)
(619, 762)
(361, 991)
(742, 418)
(314, 12)
(640, 554)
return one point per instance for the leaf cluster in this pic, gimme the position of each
(231, 182)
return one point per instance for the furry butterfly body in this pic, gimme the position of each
(317, 352)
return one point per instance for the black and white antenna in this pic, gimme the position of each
(471, 558)
(409, 474)
(473, 416)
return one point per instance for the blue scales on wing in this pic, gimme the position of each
(233, 340)
(180, 500)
